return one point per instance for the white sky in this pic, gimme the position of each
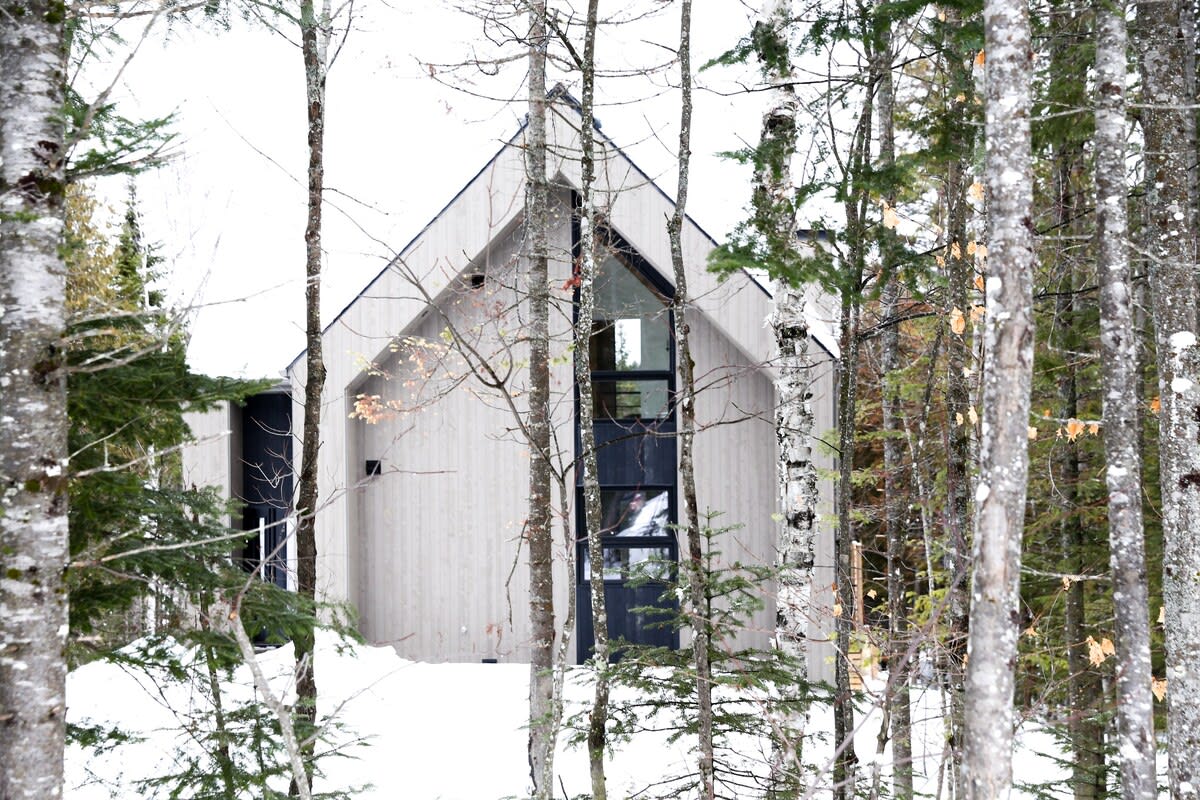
(399, 145)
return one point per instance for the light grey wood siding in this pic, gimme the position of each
(210, 459)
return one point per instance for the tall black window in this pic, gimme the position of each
(633, 381)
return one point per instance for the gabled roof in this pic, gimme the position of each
(737, 304)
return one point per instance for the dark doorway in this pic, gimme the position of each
(267, 484)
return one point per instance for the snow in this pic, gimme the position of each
(1181, 340)
(441, 731)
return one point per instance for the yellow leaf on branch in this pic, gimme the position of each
(1106, 647)
(976, 190)
(977, 313)
(1094, 428)
(980, 59)
(1033, 433)
(979, 282)
(890, 218)
(971, 415)
(1162, 615)
(1095, 652)
(957, 323)
(1074, 428)
(1159, 687)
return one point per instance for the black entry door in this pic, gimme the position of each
(636, 614)
(640, 550)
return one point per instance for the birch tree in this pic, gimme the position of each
(33, 409)
(1007, 378)
(1120, 361)
(1171, 253)
(774, 224)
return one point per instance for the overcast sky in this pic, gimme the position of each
(229, 209)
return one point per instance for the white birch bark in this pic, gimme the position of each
(1171, 254)
(1120, 364)
(33, 417)
(1008, 361)
(775, 211)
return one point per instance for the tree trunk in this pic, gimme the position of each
(1008, 363)
(956, 561)
(1170, 157)
(1084, 688)
(33, 403)
(898, 656)
(598, 718)
(314, 37)
(1120, 360)
(843, 545)
(855, 205)
(775, 219)
(538, 531)
(697, 577)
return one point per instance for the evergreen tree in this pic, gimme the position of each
(137, 535)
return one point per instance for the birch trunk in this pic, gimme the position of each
(775, 219)
(538, 524)
(598, 718)
(33, 410)
(314, 37)
(1008, 362)
(1120, 362)
(1171, 252)
(697, 576)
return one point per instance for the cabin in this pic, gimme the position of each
(424, 474)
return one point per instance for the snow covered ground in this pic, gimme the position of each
(428, 731)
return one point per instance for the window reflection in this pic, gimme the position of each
(633, 399)
(634, 512)
(631, 331)
(626, 563)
